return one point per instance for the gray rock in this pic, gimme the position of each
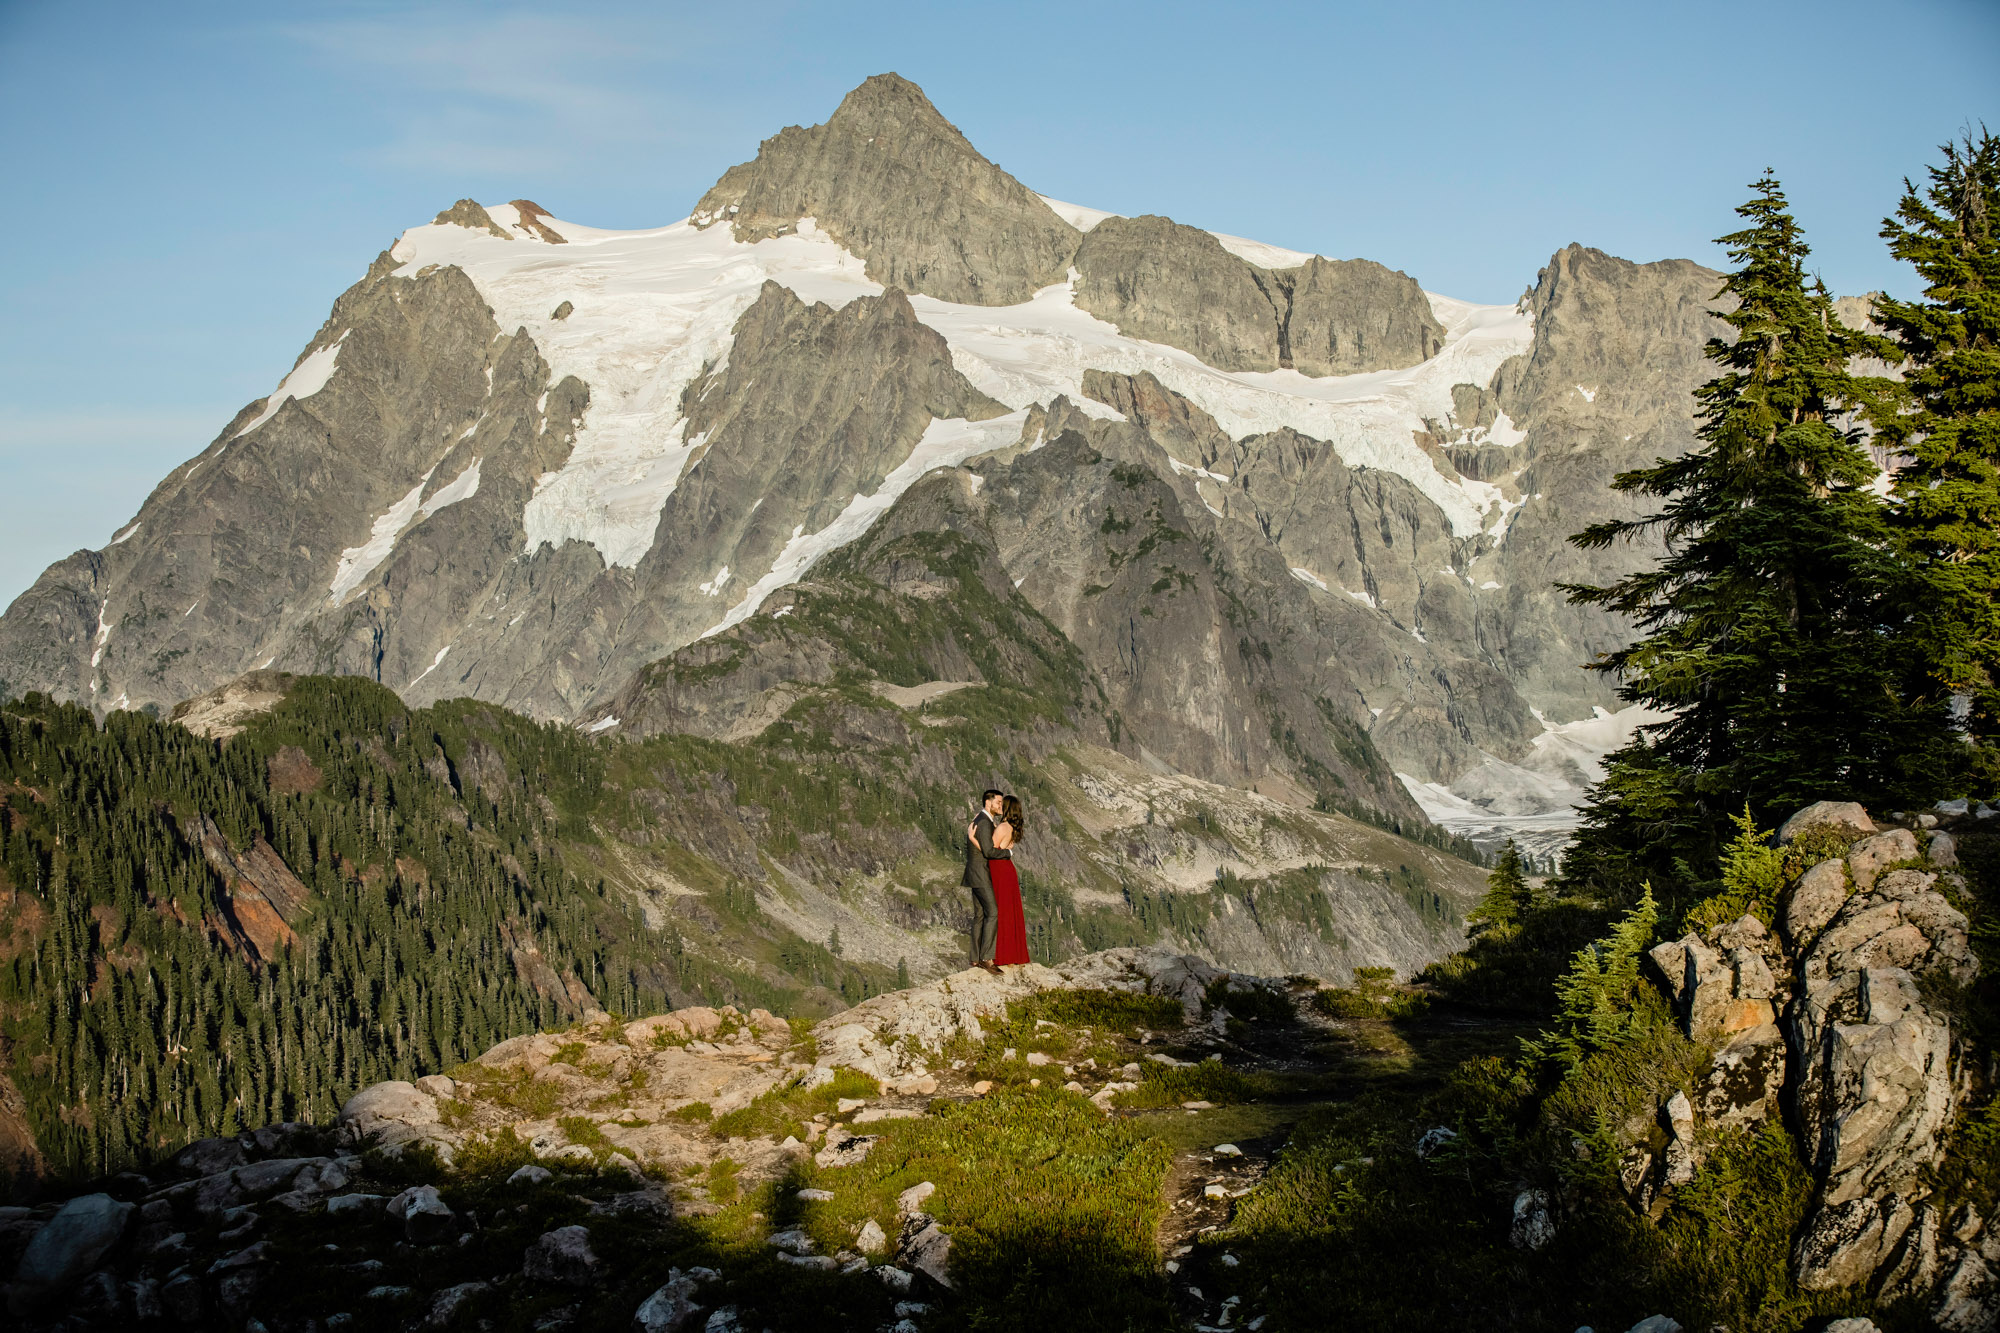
(1843, 816)
(447, 1303)
(724, 1320)
(926, 1249)
(395, 1110)
(262, 1178)
(427, 1219)
(1434, 1140)
(1349, 316)
(72, 1243)
(896, 183)
(354, 1203)
(1532, 1228)
(844, 1150)
(563, 1256)
(1846, 1241)
(1853, 1324)
(1942, 850)
(531, 1175)
(1657, 1323)
(468, 213)
(1968, 1298)
(183, 1296)
(207, 1157)
(670, 1308)
(871, 1239)
(895, 1279)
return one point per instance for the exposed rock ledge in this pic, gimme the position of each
(632, 1080)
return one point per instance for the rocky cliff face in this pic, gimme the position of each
(524, 458)
(895, 183)
(1835, 1020)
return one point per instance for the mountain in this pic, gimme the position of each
(1297, 518)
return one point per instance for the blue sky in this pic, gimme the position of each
(194, 183)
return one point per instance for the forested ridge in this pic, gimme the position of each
(137, 1011)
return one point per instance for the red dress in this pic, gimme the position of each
(1011, 942)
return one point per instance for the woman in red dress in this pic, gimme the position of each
(1011, 946)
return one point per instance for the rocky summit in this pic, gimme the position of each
(1299, 517)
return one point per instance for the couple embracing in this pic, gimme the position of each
(999, 928)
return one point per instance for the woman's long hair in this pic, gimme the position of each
(1010, 813)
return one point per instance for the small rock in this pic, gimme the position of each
(793, 1241)
(848, 1104)
(1943, 851)
(1227, 1150)
(1214, 1192)
(1852, 1324)
(68, 1246)
(561, 312)
(437, 1085)
(563, 1256)
(1198, 1106)
(724, 1320)
(875, 1113)
(385, 1293)
(1036, 1059)
(531, 1175)
(982, 1087)
(871, 1238)
(895, 1279)
(844, 1150)
(446, 1304)
(1227, 1260)
(824, 1263)
(1532, 1228)
(1434, 1140)
(814, 1196)
(911, 1201)
(1659, 1323)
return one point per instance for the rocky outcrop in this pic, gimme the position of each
(1156, 279)
(896, 183)
(1862, 1059)
(1160, 280)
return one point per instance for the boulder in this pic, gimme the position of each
(1814, 900)
(1682, 1155)
(1844, 816)
(563, 1256)
(207, 1157)
(263, 1178)
(69, 1245)
(1968, 1297)
(447, 1303)
(926, 1249)
(670, 1308)
(1871, 856)
(427, 1219)
(398, 1112)
(871, 1238)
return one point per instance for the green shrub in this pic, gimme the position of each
(1203, 1081)
(785, 1109)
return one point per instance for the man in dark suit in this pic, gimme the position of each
(979, 850)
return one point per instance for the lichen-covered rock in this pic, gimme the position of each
(1744, 1078)
(1845, 817)
(1814, 899)
(1871, 856)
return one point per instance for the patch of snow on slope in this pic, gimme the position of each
(126, 533)
(436, 662)
(946, 442)
(1259, 253)
(307, 378)
(1307, 576)
(652, 310)
(1533, 801)
(1083, 219)
(358, 562)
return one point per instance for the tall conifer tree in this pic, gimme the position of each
(1771, 626)
(1946, 422)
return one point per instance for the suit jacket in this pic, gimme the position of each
(976, 874)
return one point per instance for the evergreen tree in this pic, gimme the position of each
(1508, 893)
(1946, 423)
(1775, 623)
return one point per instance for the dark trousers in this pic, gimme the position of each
(985, 922)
